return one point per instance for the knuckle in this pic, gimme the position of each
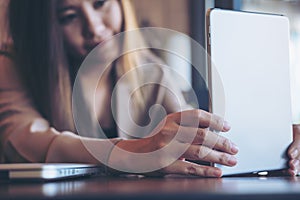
(200, 114)
(204, 152)
(161, 144)
(202, 134)
(166, 134)
(190, 170)
(205, 172)
(169, 129)
(218, 121)
(197, 113)
(197, 153)
(223, 158)
(165, 131)
(186, 171)
(226, 144)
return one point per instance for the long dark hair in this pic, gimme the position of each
(41, 59)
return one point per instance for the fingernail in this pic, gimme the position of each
(234, 148)
(192, 171)
(294, 154)
(226, 126)
(232, 160)
(217, 173)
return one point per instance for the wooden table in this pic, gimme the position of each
(183, 188)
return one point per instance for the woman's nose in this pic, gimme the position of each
(94, 24)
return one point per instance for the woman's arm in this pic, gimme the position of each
(26, 136)
(20, 124)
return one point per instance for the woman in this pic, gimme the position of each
(50, 40)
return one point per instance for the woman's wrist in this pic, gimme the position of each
(124, 156)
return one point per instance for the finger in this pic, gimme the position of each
(188, 168)
(207, 138)
(294, 165)
(292, 172)
(200, 118)
(197, 152)
(293, 151)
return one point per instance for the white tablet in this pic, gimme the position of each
(249, 80)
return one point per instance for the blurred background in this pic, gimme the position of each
(188, 16)
(291, 9)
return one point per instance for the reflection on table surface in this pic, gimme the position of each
(116, 187)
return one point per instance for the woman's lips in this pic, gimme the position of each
(90, 45)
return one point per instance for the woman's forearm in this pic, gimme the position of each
(68, 147)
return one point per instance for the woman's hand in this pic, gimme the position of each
(294, 152)
(189, 135)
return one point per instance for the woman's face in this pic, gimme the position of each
(86, 23)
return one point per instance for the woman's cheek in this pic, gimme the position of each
(74, 43)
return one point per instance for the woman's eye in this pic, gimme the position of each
(99, 4)
(67, 19)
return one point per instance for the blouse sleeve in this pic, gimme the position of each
(25, 136)
(173, 100)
